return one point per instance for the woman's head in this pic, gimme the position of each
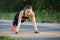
(27, 10)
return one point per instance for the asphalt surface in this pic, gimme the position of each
(47, 31)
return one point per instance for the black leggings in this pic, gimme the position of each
(15, 22)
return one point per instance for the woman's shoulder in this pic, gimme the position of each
(21, 12)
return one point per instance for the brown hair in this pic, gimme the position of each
(28, 7)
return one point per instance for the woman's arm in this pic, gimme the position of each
(34, 21)
(19, 21)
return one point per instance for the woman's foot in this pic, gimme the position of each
(13, 28)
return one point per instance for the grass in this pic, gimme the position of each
(6, 15)
(9, 38)
(43, 16)
(51, 17)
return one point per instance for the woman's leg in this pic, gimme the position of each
(15, 22)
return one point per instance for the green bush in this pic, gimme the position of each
(17, 5)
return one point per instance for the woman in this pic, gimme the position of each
(23, 15)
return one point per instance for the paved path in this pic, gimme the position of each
(47, 31)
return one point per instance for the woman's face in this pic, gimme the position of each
(27, 14)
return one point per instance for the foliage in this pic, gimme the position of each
(17, 5)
